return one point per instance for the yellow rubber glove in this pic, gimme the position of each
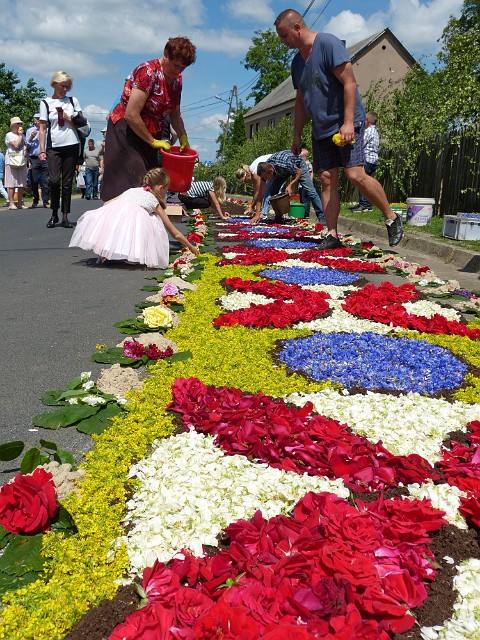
(337, 139)
(160, 144)
(184, 144)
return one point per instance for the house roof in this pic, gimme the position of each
(285, 92)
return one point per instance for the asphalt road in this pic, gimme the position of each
(54, 310)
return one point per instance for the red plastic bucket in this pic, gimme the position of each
(179, 167)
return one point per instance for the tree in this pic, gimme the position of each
(460, 60)
(270, 59)
(20, 101)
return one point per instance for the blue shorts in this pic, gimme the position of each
(326, 154)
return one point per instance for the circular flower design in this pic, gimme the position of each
(385, 304)
(374, 362)
(290, 304)
(311, 275)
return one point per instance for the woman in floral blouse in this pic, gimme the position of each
(135, 125)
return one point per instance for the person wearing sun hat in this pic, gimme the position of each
(15, 176)
(38, 168)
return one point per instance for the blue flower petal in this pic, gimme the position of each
(311, 275)
(375, 362)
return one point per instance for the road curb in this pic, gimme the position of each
(464, 259)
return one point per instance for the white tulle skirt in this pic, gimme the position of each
(122, 230)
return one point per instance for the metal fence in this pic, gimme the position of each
(448, 170)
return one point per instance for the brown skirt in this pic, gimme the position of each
(127, 159)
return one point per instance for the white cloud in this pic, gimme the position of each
(224, 41)
(353, 27)
(418, 25)
(425, 24)
(252, 10)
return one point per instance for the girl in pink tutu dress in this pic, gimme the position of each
(133, 226)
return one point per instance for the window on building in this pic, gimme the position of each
(271, 122)
(252, 126)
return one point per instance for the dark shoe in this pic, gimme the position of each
(361, 209)
(87, 197)
(66, 224)
(46, 204)
(52, 222)
(395, 231)
(330, 242)
(34, 205)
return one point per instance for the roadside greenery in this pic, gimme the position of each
(16, 99)
(412, 114)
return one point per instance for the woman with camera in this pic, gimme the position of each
(60, 144)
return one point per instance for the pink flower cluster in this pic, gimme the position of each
(134, 349)
(461, 466)
(331, 570)
(264, 429)
(384, 304)
(306, 305)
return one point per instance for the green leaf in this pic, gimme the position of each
(32, 459)
(4, 536)
(75, 383)
(22, 555)
(64, 417)
(150, 287)
(46, 444)
(65, 457)
(12, 583)
(52, 398)
(11, 450)
(98, 423)
(179, 356)
(113, 355)
(64, 522)
(143, 305)
(131, 326)
(177, 307)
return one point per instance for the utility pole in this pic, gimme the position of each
(233, 93)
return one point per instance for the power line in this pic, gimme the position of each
(322, 11)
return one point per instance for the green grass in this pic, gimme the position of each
(433, 230)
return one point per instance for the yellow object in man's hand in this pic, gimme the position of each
(184, 144)
(338, 140)
(161, 144)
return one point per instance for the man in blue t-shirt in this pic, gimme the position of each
(327, 92)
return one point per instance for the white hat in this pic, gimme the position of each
(36, 115)
(15, 121)
(103, 130)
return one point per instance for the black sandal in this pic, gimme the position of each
(52, 222)
(66, 224)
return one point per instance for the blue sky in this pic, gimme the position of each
(99, 43)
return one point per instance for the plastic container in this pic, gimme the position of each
(297, 210)
(461, 228)
(280, 204)
(419, 211)
(402, 211)
(179, 167)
